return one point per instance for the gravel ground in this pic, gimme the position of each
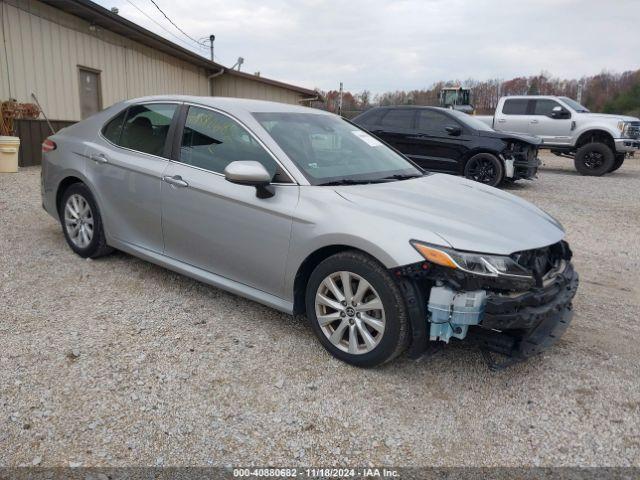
(117, 362)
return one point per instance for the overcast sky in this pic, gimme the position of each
(383, 45)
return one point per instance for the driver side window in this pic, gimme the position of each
(433, 121)
(212, 141)
(544, 107)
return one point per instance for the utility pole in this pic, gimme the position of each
(340, 101)
(579, 93)
(212, 38)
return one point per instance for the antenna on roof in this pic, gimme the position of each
(238, 63)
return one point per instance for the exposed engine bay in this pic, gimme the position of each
(514, 316)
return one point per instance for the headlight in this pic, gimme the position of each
(474, 263)
(624, 128)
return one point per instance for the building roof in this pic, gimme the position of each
(98, 15)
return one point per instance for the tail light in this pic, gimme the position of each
(48, 145)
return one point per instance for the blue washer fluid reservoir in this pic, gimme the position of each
(452, 312)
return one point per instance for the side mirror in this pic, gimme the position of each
(453, 130)
(559, 112)
(250, 173)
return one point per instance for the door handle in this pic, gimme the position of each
(534, 121)
(99, 158)
(501, 120)
(175, 181)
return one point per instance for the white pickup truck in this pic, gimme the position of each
(597, 142)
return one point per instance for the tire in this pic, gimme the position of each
(485, 168)
(617, 163)
(594, 159)
(387, 329)
(77, 203)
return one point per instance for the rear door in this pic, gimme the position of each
(219, 226)
(552, 127)
(396, 126)
(434, 148)
(515, 116)
(125, 167)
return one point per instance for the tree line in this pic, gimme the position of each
(606, 92)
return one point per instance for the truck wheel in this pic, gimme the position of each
(618, 162)
(594, 159)
(485, 168)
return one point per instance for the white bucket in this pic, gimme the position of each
(9, 154)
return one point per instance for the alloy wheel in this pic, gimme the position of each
(350, 312)
(78, 220)
(593, 160)
(483, 170)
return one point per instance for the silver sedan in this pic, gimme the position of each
(303, 211)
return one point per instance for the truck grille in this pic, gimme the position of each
(634, 130)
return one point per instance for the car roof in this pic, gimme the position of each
(418, 107)
(232, 105)
(532, 97)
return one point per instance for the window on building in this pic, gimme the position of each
(212, 141)
(146, 128)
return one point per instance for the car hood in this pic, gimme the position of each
(523, 137)
(469, 216)
(608, 116)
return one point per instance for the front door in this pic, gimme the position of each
(219, 226)
(125, 166)
(90, 97)
(434, 148)
(552, 127)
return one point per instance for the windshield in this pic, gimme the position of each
(328, 149)
(455, 97)
(575, 105)
(470, 121)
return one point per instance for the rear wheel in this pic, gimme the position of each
(485, 168)
(357, 310)
(82, 223)
(617, 162)
(594, 159)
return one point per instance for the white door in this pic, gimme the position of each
(553, 126)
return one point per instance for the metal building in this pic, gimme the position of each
(79, 57)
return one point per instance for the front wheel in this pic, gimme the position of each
(485, 168)
(357, 310)
(594, 159)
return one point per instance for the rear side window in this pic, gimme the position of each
(515, 107)
(146, 128)
(544, 107)
(400, 118)
(433, 121)
(113, 129)
(371, 117)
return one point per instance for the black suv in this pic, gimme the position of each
(449, 141)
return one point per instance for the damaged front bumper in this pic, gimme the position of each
(515, 324)
(521, 164)
(524, 325)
